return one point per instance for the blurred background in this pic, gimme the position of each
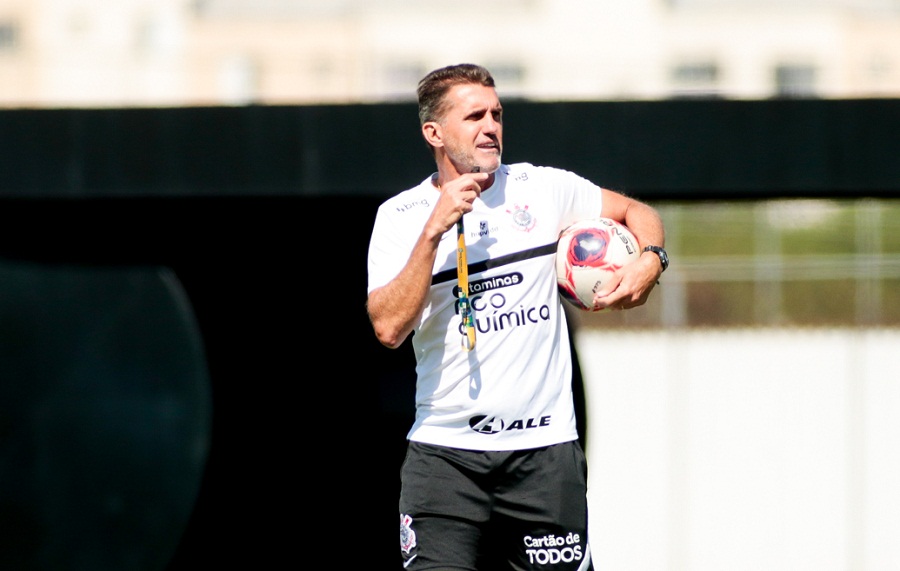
(187, 373)
(234, 52)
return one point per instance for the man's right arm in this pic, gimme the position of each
(395, 307)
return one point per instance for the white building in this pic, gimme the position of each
(210, 52)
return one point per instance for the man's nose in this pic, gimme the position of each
(491, 125)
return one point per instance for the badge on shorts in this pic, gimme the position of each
(407, 535)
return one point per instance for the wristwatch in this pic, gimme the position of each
(661, 252)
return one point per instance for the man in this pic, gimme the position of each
(494, 476)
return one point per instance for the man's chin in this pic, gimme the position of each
(489, 166)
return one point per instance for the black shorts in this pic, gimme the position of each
(522, 510)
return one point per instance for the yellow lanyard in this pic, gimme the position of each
(462, 272)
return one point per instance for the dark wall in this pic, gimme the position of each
(264, 213)
(669, 149)
(307, 418)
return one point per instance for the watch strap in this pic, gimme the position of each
(661, 252)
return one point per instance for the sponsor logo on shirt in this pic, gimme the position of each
(490, 305)
(496, 282)
(484, 424)
(410, 205)
(484, 230)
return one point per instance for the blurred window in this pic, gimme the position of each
(508, 73)
(9, 36)
(695, 79)
(795, 80)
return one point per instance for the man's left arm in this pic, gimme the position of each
(638, 278)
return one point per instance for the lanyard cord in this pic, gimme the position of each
(462, 272)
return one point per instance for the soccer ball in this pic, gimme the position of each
(587, 254)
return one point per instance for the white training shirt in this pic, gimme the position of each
(514, 389)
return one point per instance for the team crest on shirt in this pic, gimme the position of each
(521, 218)
(407, 535)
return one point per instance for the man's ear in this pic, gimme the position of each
(431, 130)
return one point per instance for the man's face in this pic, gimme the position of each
(472, 128)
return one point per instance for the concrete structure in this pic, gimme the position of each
(766, 449)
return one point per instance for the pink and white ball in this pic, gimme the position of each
(587, 254)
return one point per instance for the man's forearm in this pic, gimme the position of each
(395, 307)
